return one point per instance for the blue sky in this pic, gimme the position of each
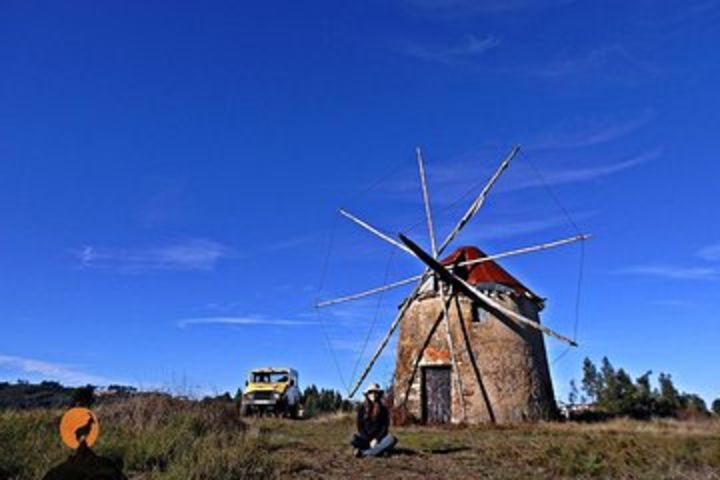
(170, 176)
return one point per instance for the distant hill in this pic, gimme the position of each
(24, 395)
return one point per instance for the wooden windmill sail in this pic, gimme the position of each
(470, 371)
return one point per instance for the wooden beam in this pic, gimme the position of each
(406, 281)
(473, 292)
(385, 340)
(473, 362)
(474, 207)
(426, 202)
(374, 230)
(472, 210)
(366, 293)
(418, 359)
(446, 316)
(478, 295)
(479, 201)
(530, 249)
(453, 358)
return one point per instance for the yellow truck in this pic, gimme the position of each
(271, 391)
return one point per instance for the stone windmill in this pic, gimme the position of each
(471, 346)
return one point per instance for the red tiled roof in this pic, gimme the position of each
(485, 272)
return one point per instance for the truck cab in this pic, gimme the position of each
(265, 390)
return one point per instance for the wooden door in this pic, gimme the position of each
(436, 394)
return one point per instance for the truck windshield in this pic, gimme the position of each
(274, 377)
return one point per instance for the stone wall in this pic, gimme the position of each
(512, 380)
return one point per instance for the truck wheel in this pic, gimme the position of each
(244, 410)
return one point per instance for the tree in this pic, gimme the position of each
(592, 382)
(573, 395)
(51, 385)
(84, 396)
(668, 403)
(323, 401)
(614, 393)
(625, 394)
(693, 405)
(608, 386)
(643, 399)
(716, 406)
(614, 388)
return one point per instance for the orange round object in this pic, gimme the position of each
(79, 424)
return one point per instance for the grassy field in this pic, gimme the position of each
(163, 438)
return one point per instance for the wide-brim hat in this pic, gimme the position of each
(373, 387)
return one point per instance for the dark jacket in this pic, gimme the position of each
(375, 428)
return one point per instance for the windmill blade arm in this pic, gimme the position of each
(451, 347)
(509, 253)
(426, 201)
(479, 201)
(367, 293)
(524, 250)
(478, 295)
(383, 343)
(473, 292)
(374, 231)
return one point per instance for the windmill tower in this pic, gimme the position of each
(501, 372)
(471, 346)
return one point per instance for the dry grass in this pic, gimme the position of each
(162, 438)
(709, 427)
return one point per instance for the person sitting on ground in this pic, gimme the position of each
(373, 421)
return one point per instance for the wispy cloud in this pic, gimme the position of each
(604, 60)
(194, 254)
(242, 321)
(672, 272)
(292, 242)
(468, 49)
(357, 344)
(671, 303)
(592, 131)
(710, 253)
(447, 182)
(360, 312)
(704, 6)
(686, 12)
(491, 231)
(479, 7)
(50, 371)
(528, 179)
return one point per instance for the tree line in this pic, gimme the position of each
(314, 400)
(613, 392)
(324, 400)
